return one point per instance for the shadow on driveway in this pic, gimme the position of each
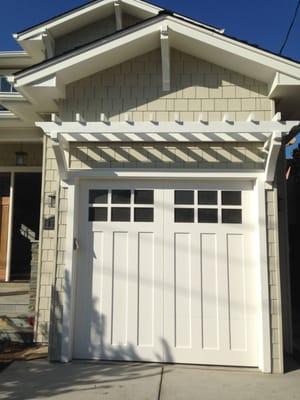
(80, 380)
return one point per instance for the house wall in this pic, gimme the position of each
(135, 87)
(91, 32)
(167, 155)
(47, 259)
(8, 154)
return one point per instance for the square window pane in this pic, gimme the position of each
(120, 214)
(5, 85)
(208, 215)
(143, 196)
(184, 197)
(97, 214)
(207, 197)
(121, 196)
(98, 196)
(184, 215)
(143, 214)
(231, 198)
(231, 216)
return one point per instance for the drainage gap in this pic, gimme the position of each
(160, 383)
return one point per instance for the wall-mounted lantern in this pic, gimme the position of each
(51, 200)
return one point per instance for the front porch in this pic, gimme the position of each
(20, 197)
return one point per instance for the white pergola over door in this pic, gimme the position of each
(166, 272)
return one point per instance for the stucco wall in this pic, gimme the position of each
(135, 87)
(8, 154)
(91, 32)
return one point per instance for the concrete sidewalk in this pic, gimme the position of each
(135, 381)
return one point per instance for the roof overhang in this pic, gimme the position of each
(11, 60)
(48, 79)
(32, 39)
(18, 106)
(19, 134)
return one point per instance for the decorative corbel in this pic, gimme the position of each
(165, 58)
(49, 44)
(61, 152)
(118, 14)
(273, 153)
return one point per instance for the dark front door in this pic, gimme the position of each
(4, 221)
(26, 217)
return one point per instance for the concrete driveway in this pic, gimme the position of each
(129, 381)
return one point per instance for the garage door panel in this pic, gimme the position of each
(119, 288)
(146, 288)
(182, 290)
(237, 292)
(165, 285)
(210, 297)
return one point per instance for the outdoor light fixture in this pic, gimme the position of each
(52, 200)
(21, 158)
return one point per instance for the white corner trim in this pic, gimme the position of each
(264, 350)
(69, 277)
(118, 14)
(165, 58)
(273, 153)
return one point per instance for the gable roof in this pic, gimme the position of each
(149, 9)
(32, 39)
(166, 15)
(45, 82)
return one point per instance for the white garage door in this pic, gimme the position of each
(167, 272)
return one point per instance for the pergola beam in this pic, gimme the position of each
(179, 127)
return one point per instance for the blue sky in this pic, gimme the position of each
(261, 22)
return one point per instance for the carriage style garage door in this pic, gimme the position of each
(167, 272)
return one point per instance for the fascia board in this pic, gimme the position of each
(145, 7)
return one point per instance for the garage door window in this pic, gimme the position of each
(121, 205)
(208, 206)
